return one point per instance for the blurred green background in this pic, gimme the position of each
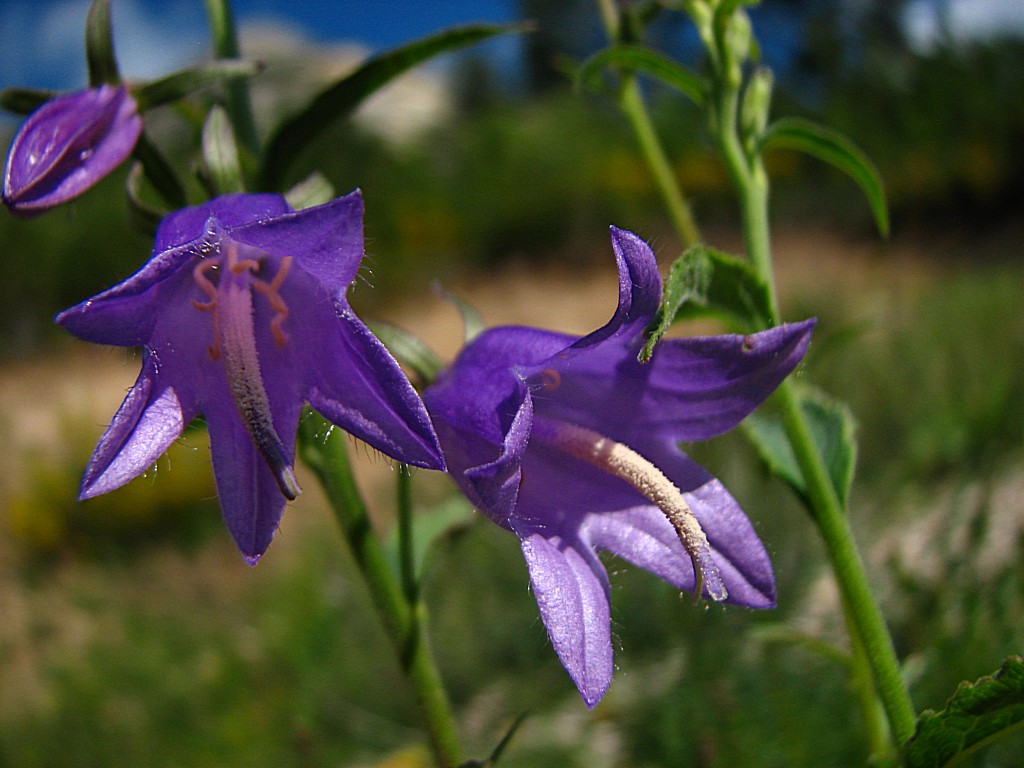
(132, 634)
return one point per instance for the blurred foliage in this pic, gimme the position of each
(145, 641)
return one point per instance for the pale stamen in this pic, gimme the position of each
(231, 310)
(623, 462)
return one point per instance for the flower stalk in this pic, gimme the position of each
(404, 621)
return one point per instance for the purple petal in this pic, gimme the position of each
(326, 240)
(361, 388)
(639, 288)
(67, 145)
(189, 225)
(693, 389)
(148, 421)
(250, 498)
(571, 587)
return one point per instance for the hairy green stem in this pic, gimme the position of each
(871, 642)
(871, 636)
(324, 451)
(225, 46)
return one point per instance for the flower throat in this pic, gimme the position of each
(234, 344)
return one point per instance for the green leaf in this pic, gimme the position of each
(472, 321)
(833, 148)
(705, 281)
(637, 58)
(409, 350)
(427, 527)
(223, 169)
(315, 189)
(977, 714)
(99, 45)
(24, 101)
(179, 84)
(833, 429)
(144, 213)
(343, 97)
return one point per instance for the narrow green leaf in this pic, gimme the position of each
(837, 150)
(315, 189)
(223, 170)
(705, 281)
(144, 213)
(343, 97)
(472, 321)
(24, 101)
(977, 714)
(643, 60)
(833, 429)
(179, 84)
(99, 45)
(159, 172)
(409, 350)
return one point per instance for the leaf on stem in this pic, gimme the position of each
(24, 101)
(343, 97)
(837, 150)
(315, 189)
(643, 60)
(177, 85)
(833, 429)
(222, 168)
(704, 281)
(472, 321)
(977, 714)
(427, 528)
(410, 351)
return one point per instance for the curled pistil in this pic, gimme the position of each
(621, 461)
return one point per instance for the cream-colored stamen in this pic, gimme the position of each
(623, 462)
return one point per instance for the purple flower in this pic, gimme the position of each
(67, 145)
(573, 445)
(242, 316)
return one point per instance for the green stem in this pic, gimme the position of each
(225, 46)
(631, 101)
(406, 559)
(871, 638)
(862, 686)
(324, 451)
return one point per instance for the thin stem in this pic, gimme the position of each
(862, 685)
(631, 101)
(406, 559)
(225, 46)
(866, 619)
(871, 642)
(324, 452)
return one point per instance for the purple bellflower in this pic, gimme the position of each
(242, 316)
(573, 445)
(67, 145)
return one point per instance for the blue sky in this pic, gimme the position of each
(41, 40)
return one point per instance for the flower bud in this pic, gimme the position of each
(757, 101)
(67, 145)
